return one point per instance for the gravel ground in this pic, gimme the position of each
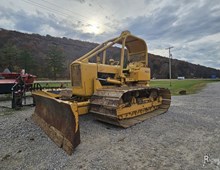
(178, 139)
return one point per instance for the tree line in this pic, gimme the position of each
(16, 59)
(50, 57)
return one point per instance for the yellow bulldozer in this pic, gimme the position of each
(115, 92)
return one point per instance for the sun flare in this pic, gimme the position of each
(93, 27)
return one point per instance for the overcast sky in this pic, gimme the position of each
(192, 27)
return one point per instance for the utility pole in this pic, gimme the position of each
(170, 56)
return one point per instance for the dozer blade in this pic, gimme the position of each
(58, 119)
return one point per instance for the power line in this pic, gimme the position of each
(101, 7)
(85, 17)
(59, 12)
(75, 13)
(65, 9)
(50, 9)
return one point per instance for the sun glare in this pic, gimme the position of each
(93, 27)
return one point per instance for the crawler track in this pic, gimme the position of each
(127, 106)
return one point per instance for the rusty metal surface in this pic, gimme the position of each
(105, 102)
(58, 122)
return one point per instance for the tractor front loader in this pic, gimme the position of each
(115, 92)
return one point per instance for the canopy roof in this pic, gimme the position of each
(133, 43)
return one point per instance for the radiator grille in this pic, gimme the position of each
(76, 75)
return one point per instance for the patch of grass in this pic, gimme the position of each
(55, 84)
(191, 86)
